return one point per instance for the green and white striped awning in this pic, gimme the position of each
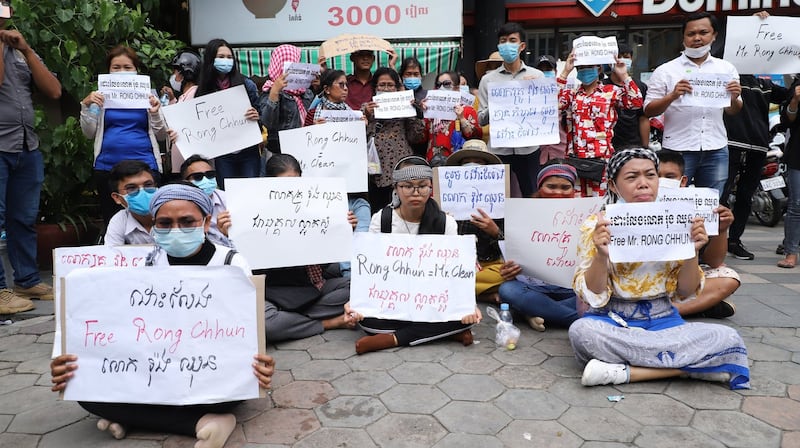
(434, 57)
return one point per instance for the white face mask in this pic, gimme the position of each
(174, 83)
(663, 182)
(696, 53)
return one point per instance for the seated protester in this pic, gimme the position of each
(303, 300)
(412, 211)
(177, 209)
(486, 230)
(721, 280)
(132, 186)
(663, 345)
(198, 170)
(538, 301)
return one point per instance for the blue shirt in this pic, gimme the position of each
(125, 137)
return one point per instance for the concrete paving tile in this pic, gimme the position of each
(322, 370)
(794, 392)
(375, 361)
(8, 330)
(532, 433)
(406, 430)
(480, 347)
(342, 334)
(84, 434)
(10, 383)
(28, 352)
(281, 426)
(472, 418)
(563, 366)
(289, 359)
(425, 353)
(39, 366)
(766, 351)
(363, 383)
(652, 409)
(414, 399)
(735, 429)
(175, 441)
(521, 356)
(16, 341)
(44, 419)
(419, 373)
(471, 387)
(337, 437)
(26, 399)
(643, 387)
(791, 440)
(783, 413)
(595, 444)
(281, 378)
(46, 338)
(791, 343)
(749, 279)
(333, 350)
(773, 332)
(765, 290)
(471, 363)
(304, 394)
(701, 395)
(763, 386)
(670, 437)
(607, 425)
(300, 344)
(556, 347)
(785, 372)
(573, 393)
(469, 440)
(524, 377)
(350, 412)
(19, 440)
(4, 421)
(527, 404)
(250, 409)
(5, 365)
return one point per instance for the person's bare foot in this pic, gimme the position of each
(343, 321)
(115, 429)
(213, 430)
(491, 297)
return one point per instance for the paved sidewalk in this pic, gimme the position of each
(446, 395)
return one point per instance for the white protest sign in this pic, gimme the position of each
(68, 259)
(440, 103)
(173, 335)
(395, 105)
(461, 190)
(330, 150)
(593, 50)
(419, 278)
(542, 235)
(289, 221)
(704, 201)
(339, 116)
(708, 90)
(523, 113)
(213, 125)
(124, 91)
(467, 99)
(650, 231)
(754, 45)
(299, 74)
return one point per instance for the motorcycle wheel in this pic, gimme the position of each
(772, 213)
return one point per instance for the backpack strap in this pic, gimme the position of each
(386, 220)
(229, 257)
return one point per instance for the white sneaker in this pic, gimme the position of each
(721, 377)
(597, 373)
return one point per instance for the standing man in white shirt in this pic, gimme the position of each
(698, 133)
(524, 161)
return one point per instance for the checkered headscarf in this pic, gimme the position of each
(280, 55)
(619, 159)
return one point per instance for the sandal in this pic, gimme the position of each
(789, 262)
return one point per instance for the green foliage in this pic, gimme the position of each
(73, 38)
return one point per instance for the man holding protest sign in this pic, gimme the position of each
(695, 130)
(632, 332)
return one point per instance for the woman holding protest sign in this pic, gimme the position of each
(220, 72)
(412, 211)
(591, 116)
(446, 136)
(185, 73)
(121, 134)
(181, 214)
(631, 331)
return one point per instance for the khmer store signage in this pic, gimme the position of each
(273, 21)
(662, 6)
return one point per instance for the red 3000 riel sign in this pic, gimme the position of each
(272, 21)
(662, 6)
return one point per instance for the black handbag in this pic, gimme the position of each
(591, 168)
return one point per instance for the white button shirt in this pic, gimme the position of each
(689, 128)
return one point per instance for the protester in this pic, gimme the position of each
(591, 116)
(22, 170)
(524, 161)
(220, 72)
(548, 65)
(133, 185)
(538, 301)
(412, 211)
(411, 74)
(721, 281)
(791, 225)
(697, 132)
(121, 134)
(663, 344)
(198, 170)
(633, 126)
(185, 73)
(181, 214)
(360, 83)
(332, 97)
(446, 136)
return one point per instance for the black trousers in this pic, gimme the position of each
(412, 333)
(157, 418)
(748, 164)
(526, 167)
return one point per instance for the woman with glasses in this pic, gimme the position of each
(394, 137)
(445, 136)
(198, 170)
(333, 97)
(412, 211)
(181, 215)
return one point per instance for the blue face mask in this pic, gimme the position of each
(412, 83)
(549, 74)
(207, 185)
(139, 202)
(508, 51)
(178, 242)
(587, 75)
(223, 65)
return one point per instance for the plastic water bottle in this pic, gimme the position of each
(506, 334)
(165, 100)
(505, 314)
(94, 109)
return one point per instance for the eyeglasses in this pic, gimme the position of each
(411, 189)
(386, 85)
(198, 176)
(133, 190)
(186, 224)
(447, 84)
(342, 85)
